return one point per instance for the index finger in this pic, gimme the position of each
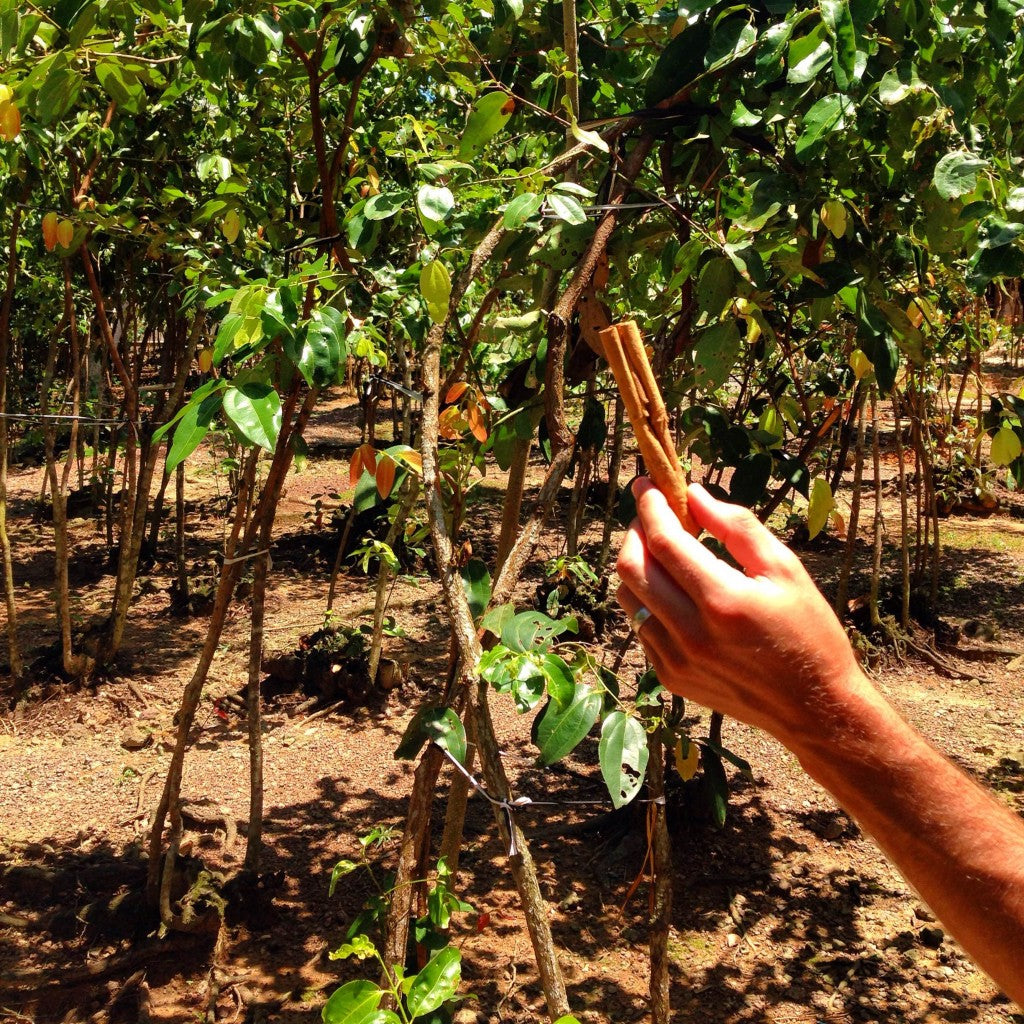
(693, 567)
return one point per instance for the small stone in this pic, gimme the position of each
(135, 737)
(922, 913)
(732, 939)
(931, 937)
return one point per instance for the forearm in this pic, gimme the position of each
(957, 845)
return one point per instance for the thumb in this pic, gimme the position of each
(753, 545)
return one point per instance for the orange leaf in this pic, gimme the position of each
(476, 422)
(385, 475)
(206, 360)
(65, 232)
(362, 459)
(50, 231)
(509, 106)
(447, 421)
(455, 392)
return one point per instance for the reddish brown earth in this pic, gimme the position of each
(788, 914)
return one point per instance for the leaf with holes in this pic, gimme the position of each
(622, 753)
(436, 983)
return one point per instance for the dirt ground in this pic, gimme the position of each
(787, 914)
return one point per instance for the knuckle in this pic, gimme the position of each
(660, 544)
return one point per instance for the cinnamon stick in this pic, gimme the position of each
(624, 349)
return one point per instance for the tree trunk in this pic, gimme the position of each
(661, 917)
(17, 666)
(254, 835)
(611, 499)
(851, 534)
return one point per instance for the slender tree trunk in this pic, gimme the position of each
(661, 917)
(254, 835)
(513, 503)
(904, 519)
(876, 548)
(10, 594)
(458, 801)
(181, 568)
(851, 535)
(611, 499)
(408, 499)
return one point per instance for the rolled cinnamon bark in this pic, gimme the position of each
(624, 349)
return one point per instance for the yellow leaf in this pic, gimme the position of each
(834, 217)
(10, 122)
(860, 364)
(65, 233)
(821, 504)
(230, 226)
(206, 360)
(1006, 446)
(5, 93)
(839, 523)
(50, 231)
(687, 756)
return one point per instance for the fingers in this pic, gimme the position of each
(691, 565)
(650, 583)
(748, 541)
(652, 633)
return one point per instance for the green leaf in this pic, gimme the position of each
(436, 288)
(521, 209)
(836, 16)
(588, 138)
(956, 174)
(435, 203)
(531, 630)
(733, 39)
(1006, 446)
(441, 725)
(994, 232)
(623, 755)
(498, 618)
(560, 729)
(489, 115)
(561, 684)
(255, 409)
(360, 947)
(384, 205)
(122, 85)
(747, 260)
(716, 286)
(341, 869)
(566, 208)
(827, 116)
(807, 56)
(436, 983)
(357, 1003)
(820, 506)
(716, 785)
(193, 426)
(715, 354)
(476, 581)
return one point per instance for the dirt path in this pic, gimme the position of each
(788, 914)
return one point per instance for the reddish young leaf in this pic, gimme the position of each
(476, 422)
(363, 458)
(455, 392)
(385, 475)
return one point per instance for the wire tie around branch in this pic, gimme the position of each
(244, 558)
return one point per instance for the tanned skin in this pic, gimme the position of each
(762, 645)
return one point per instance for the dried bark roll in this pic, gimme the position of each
(624, 349)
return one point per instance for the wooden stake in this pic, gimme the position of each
(624, 349)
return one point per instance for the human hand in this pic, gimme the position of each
(761, 645)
